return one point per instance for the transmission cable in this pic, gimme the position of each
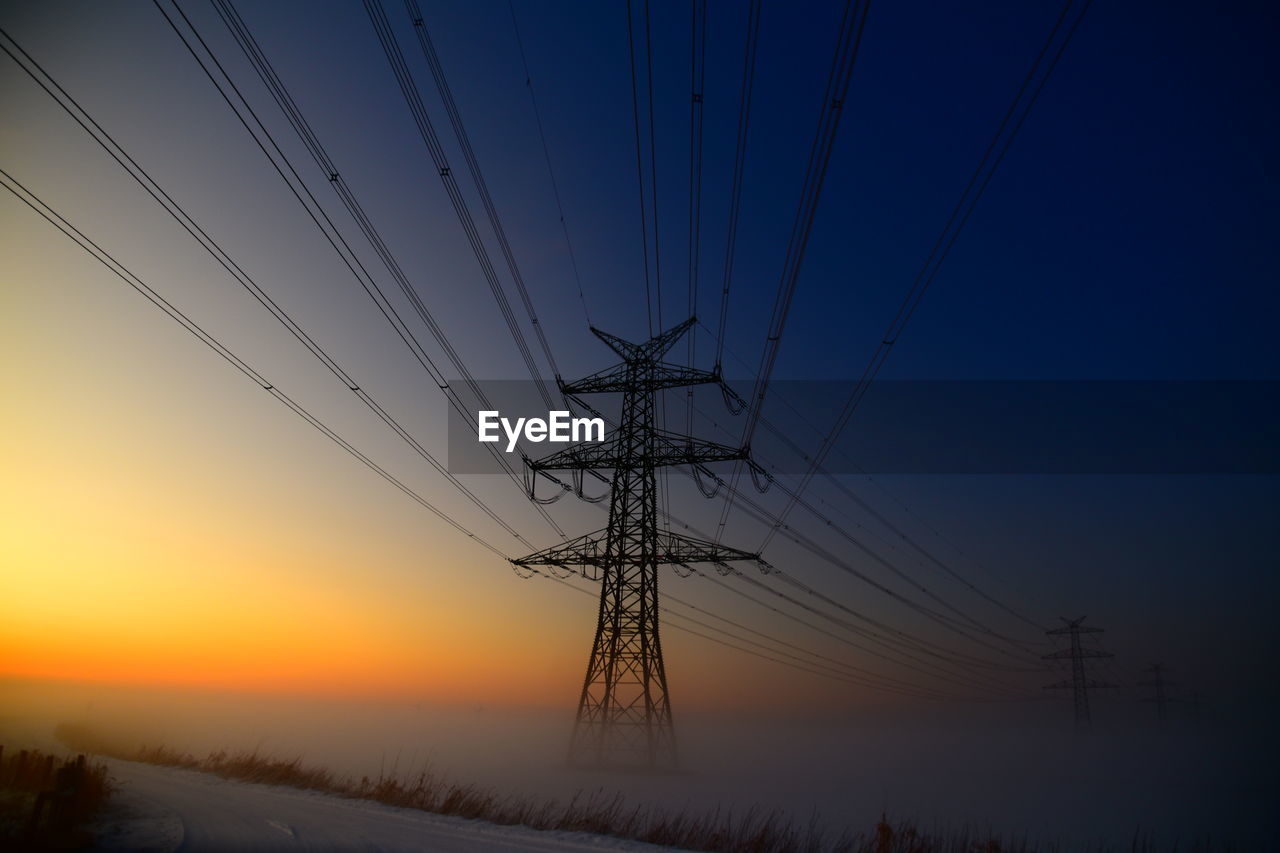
(336, 240)
(848, 41)
(546, 151)
(697, 88)
(477, 176)
(783, 436)
(635, 122)
(946, 240)
(179, 214)
(123, 273)
(739, 164)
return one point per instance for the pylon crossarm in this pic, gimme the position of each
(650, 350)
(672, 548)
(602, 381)
(660, 343)
(668, 449)
(656, 377)
(675, 548)
(587, 550)
(1068, 654)
(626, 350)
(1073, 626)
(675, 449)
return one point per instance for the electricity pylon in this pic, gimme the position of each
(624, 711)
(1159, 696)
(1079, 683)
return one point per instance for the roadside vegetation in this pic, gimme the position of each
(45, 801)
(751, 830)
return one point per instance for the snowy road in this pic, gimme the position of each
(162, 809)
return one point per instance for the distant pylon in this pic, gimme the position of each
(1159, 685)
(1079, 683)
(624, 714)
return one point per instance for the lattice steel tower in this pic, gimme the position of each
(1080, 683)
(624, 712)
(1160, 694)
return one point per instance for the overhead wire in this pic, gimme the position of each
(116, 268)
(887, 636)
(848, 40)
(546, 151)
(794, 663)
(124, 274)
(497, 552)
(635, 122)
(477, 176)
(762, 515)
(739, 166)
(843, 532)
(298, 188)
(790, 443)
(697, 87)
(973, 191)
(107, 142)
(426, 129)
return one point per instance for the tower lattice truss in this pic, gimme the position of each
(624, 712)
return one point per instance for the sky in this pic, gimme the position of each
(164, 522)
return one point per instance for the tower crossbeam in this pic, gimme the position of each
(624, 709)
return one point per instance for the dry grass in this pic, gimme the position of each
(45, 801)
(753, 830)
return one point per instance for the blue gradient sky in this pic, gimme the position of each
(1128, 235)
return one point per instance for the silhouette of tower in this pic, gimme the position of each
(1079, 683)
(1159, 687)
(624, 711)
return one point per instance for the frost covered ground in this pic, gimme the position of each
(1019, 776)
(161, 809)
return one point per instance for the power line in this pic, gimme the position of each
(867, 673)
(653, 168)
(158, 194)
(845, 534)
(739, 164)
(848, 40)
(946, 239)
(295, 112)
(762, 515)
(477, 176)
(118, 269)
(813, 547)
(968, 662)
(912, 661)
(334, 237)
(697, 86)
(426, 129)
(102, 256)
(825, 672)
(635, 120)
(790, 443)
(546, 151)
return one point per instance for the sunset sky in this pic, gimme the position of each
(164, 521)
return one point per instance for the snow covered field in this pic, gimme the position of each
(162, 809)
(1018, 775)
